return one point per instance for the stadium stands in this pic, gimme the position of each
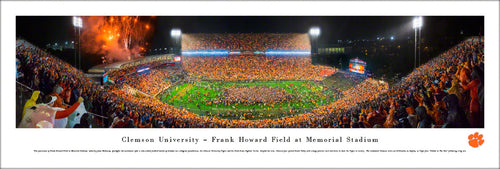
(255, 67)
(246, 41)
(444, 92)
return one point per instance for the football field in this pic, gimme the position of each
(249, 100)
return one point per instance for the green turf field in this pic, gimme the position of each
(201, 98)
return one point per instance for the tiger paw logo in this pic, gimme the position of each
(476, 140)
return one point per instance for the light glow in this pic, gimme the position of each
(417, 22)
(287, 52)
(205, 52)
(315, 31)
(77, 22)
(175, 33)
(177, 59)
(142, 70)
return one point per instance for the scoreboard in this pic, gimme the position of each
(357, 66)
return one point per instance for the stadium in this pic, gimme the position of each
(241, 80)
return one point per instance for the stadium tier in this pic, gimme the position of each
(255, 67)
(254, 42)
(255, 90)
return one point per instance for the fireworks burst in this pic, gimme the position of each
(118, 38)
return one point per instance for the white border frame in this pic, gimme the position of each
(17, 145)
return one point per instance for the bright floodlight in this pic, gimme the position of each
(417, 22)
(314, 31)
(175, 33)
(77, 22)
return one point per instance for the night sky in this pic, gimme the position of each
(41, 30)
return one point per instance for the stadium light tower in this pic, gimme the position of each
(314, 32)
(78, 23)
(176, 36)
(417, 25)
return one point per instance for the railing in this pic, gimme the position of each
(19, 83)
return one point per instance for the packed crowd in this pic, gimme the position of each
(150, 60)
(246, 41)
(128, 69)
(50, 76)
(255, 67)
(255, 94)
(445, 92)
(343, 80)
(150, 82)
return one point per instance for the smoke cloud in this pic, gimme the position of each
(117, 38)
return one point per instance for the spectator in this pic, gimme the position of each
(31, 101)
